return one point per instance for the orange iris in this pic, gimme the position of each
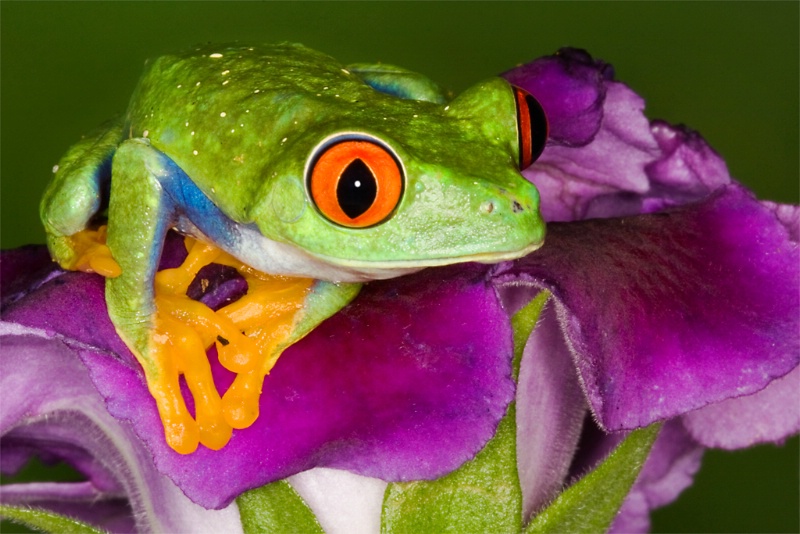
(356, 183)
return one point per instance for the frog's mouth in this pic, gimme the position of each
(381, 269)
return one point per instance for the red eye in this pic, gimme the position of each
(532, 127)
(356, 183)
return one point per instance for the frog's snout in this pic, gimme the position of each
(516, 206)
(513, 213)
(503, 201)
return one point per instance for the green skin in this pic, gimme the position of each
(239, 125)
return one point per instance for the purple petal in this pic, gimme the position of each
(217, 285)
(407, 383)
(605, 159)
(550, 413)
(669, 312)
(570, 86)
(23, 270)
(688, 169)
(770, 415)
(670, 469)
(52, 410)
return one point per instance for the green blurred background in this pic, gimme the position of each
(727, 69)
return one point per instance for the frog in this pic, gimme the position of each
(309, 177)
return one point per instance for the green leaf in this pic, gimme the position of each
(45, 521)
(592, 503)
(484, 494)
(276, 508)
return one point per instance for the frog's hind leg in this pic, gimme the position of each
(140, 213)
(75, 196)
(399, 82)
(276, 313)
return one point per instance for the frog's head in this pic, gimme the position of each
(396, 186)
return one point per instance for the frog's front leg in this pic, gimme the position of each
(75, 197)
(140, 213)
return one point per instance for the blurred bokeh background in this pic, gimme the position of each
(727, 69)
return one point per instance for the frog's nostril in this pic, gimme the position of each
(487, 206)
(516, 207)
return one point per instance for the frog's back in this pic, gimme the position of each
(223, 112)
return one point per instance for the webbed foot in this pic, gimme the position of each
(90, 253)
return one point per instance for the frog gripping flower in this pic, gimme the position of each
(307, 177)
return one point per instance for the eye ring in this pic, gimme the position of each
(355, 181)
(532, 127)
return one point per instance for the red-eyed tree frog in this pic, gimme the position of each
(310, 178)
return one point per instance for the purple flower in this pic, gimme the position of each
(690, 308)
(674, 298)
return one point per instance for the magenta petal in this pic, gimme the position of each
(669, 312)
(408, 382)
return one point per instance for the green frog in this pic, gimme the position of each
(311, 178)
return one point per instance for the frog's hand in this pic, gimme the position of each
(76, 193)
(276, 314)
(398, 82)
(141, 210)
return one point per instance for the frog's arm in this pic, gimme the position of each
(398, 82)
(77, 190)
(167, 331)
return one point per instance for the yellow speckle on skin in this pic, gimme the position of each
(446, 108)
(180, 85)
(197, 84)
(247, 111)
(194, 152)
(225, 82)
(225, 72)
(284, 140)
(145, 133)
(222, 114)
(257, 91)
(346, 71)
(239, 158)
(216, 55)
(187, 123)
(233, 130)
(192, 133)
(55, 169)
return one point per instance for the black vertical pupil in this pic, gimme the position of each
(356, 189)
(538, 127)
